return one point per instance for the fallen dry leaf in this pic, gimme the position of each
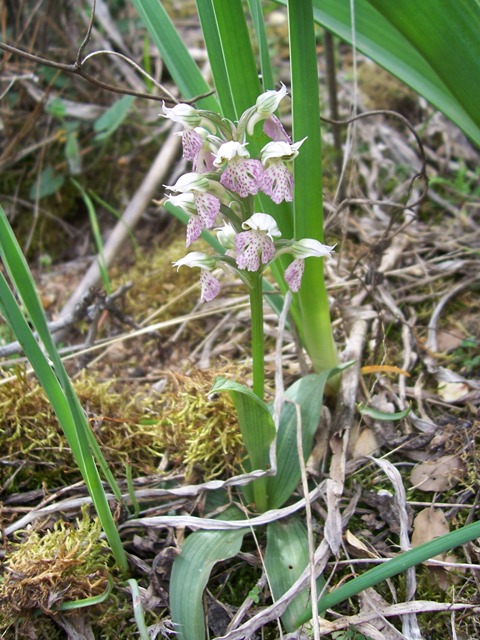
(365, 445)
(438, 475)
(449, 340)
(428, 525)
(453, 391)
(358, 548)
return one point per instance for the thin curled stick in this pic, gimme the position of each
(76, 68)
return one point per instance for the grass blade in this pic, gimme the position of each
(208, 22)
(55, 380)
(397, 565)
(97, 236)
(178, 60)
(238, 55)
(265, 63)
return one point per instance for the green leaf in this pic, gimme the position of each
(238, 55)
(312, 298)
(72, 153)
(410, 40)
(399, 564)
(55, 381)
(179, 62)
(97, 235)
(88, 602)
(208, 22)
(113, 117)
(286, 558)
(432, 26)
(308, 393)
(56, 108)
(258, 432)
(47, 184)
(383, 415)
(262, 42)
(191, 571)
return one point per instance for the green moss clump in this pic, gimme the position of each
(199, 433)
(140, 429)
(43, 571)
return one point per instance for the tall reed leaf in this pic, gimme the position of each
(411, 40)
(308, 199)
(178, 60)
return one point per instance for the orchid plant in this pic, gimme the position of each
(221, 188)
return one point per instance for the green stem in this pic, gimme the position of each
(258, 352)
(258, 356)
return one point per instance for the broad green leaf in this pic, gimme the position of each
(191, 571)
(308, 393)
(447, 36)
(376, 414)
(433, 47)
(286, 557)
(258, 432)
(48, 183)
(113, 117)
(179, 62)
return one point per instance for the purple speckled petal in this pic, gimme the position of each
(210, 286)
(275, 131)
(243, 176)
(208, 208)
(194, 229)
(192, 143)
(277, 182)
(294, 273)
(251, 246)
